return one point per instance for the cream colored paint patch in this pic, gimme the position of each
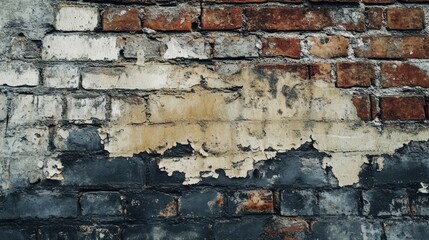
(345, 166)
(196, 166)
(272, 110)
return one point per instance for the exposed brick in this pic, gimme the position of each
(61, 76)
(374, 107)
(394, 47)
(236, 46)
(400, 74)
(190, 47)
(396, 230)
(121, 19)
(79, 47)
(101, 204)
(221, 18)
(287, 18)
(33, 172)
(22, 48)
(253, 201)
(402, 108)
(77, 138)
(328, 47)
(100, 171)
(202, 203)
(405, 18)
(375, 18)
(86, 109)
(76, 18)
(344, 229)
(276, 46)
(385, 203)
(26, 140)
(338, 202)
(148, 205)
(18, 73)
(363, 107)
(175, 19)
(298, 203)
(320, 71)
(42, 204)
(420, 205)
(355, 74)
(32, 108)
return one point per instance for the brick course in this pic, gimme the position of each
(214, 119)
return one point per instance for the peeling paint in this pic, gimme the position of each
(345, 166)
(257, 118)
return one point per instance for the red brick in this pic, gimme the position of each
(276, 46)
(170, 19)
(301, 18)
(399, 74)
(329, 46)
(394, 47)
(375, 18)
(255, 201)
(221, 18)
(320, 71)
(405, 18)
(402, 108)
(362, 104)
(378, 2)
(355, 74)
(374, 107)
(121, 19)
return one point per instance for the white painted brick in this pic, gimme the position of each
(151, 76)
(3, 107)
(75, 18)
(128, 110)
(18, 73)
(85, 109)
(61, 76)
(80, 47)
(192, 47)
(25, 140)
(30, 108)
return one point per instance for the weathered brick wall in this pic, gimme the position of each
(214, 119)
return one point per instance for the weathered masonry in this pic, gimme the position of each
(214, 119)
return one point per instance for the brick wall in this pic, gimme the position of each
(214, 119)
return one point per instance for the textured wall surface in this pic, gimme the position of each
(214, 119)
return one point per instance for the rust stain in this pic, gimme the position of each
(258, 201)
(170, 210)
(220, 200)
